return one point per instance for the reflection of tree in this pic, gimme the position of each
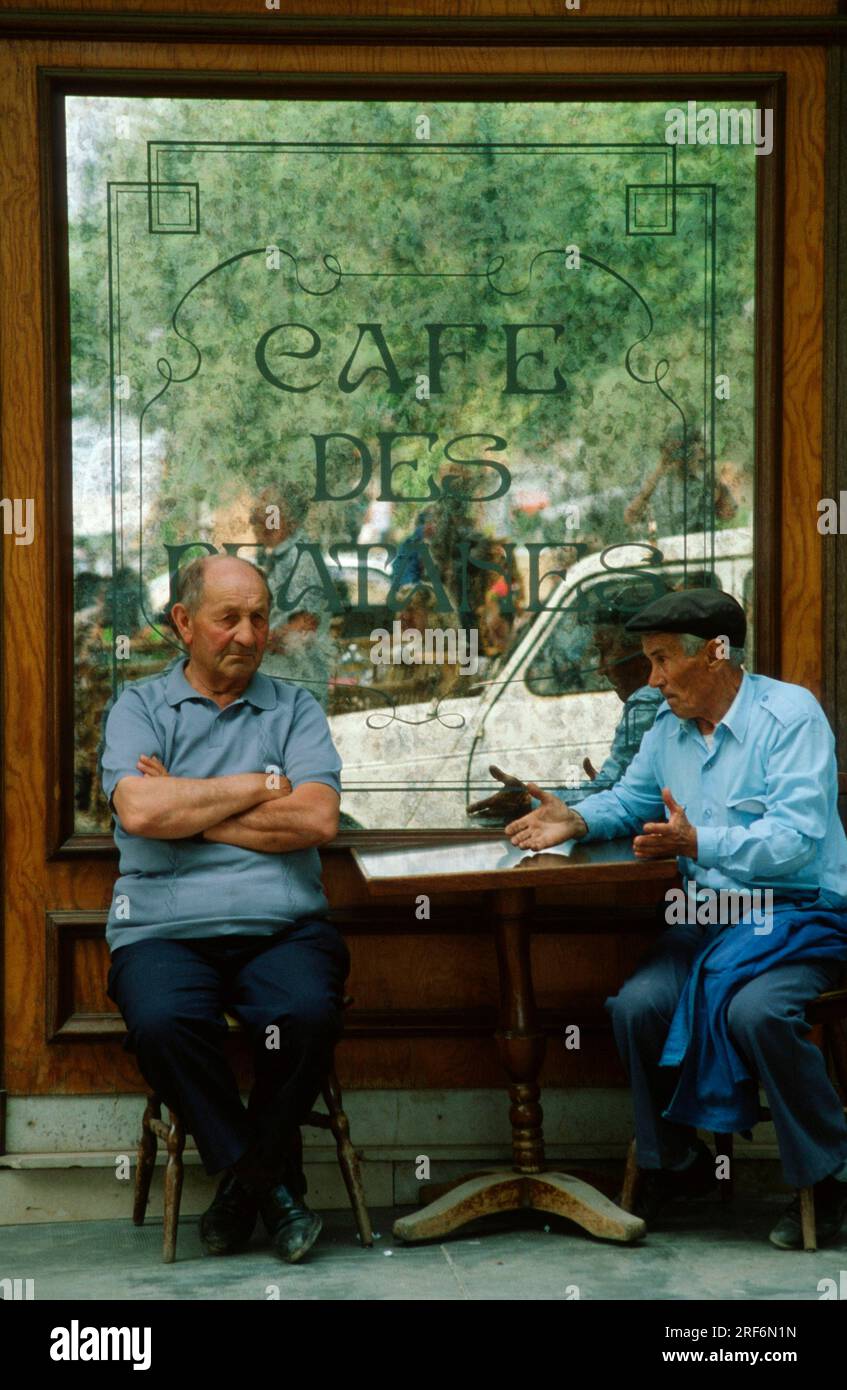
(674, 498)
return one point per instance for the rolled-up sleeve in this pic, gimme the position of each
(801, 787)
(309, 754)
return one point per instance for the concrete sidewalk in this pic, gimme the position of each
(703, 1250)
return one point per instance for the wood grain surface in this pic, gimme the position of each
(449, 9)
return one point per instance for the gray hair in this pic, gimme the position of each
(190, 585)
(691, 644)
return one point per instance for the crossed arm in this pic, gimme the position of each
(240, 809)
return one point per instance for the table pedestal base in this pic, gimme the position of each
(507, 1190)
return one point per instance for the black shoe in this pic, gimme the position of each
(830, 1209)
(229, 1222)
(292, 1227)
(658, 1186)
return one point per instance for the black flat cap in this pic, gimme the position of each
(702, 612)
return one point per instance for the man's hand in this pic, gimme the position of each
(152, 766)
(512, 801)
(666, 839)
(549, 824)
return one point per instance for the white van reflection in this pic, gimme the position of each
(547, 707)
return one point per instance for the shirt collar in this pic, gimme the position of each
(736, 718)
(260, 692)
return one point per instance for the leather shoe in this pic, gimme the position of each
(291, 1225)
(830, 1209)
(659, 1186)
(228, 1223)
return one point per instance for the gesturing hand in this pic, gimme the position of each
(667, 839)
(549, 824)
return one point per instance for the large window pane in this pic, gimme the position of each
(424, 364)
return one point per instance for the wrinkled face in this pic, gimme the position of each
(227, 636)
(687, 682)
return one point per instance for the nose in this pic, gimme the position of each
(244, 636)
(655, 680)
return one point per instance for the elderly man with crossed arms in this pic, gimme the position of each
(224, 781)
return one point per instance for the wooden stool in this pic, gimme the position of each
(173, 1133)
(829, 1012)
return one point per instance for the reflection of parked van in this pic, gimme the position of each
(537, 715)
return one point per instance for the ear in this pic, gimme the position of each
(180, 616)
(719, 649)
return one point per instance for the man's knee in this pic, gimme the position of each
(639, 1007)
(154, 1023)
(752, 1018)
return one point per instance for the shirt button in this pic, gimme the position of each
(707, 814)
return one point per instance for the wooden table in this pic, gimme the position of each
(504, 880)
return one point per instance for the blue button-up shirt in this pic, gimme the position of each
(193, 888)
(763, 799)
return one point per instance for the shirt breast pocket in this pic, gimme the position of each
(746, 805)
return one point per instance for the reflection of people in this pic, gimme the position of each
(301, 647)
(737, 779)
(96, 628)
(220, 902)
(406, 567)
(605, 608)
(674, 497)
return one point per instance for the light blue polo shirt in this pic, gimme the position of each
(195, 888)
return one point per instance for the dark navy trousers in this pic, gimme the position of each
(172, 994)
(767, 1025)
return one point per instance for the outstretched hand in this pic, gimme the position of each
(549, 824)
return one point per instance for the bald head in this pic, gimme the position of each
(192, 580)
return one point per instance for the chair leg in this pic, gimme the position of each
(347, 1157)
(145, 1161)
(724, 1149)
(630, 1179)
(807, 1218)
(173, 1187)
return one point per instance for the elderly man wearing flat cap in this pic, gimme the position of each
(737, 778)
